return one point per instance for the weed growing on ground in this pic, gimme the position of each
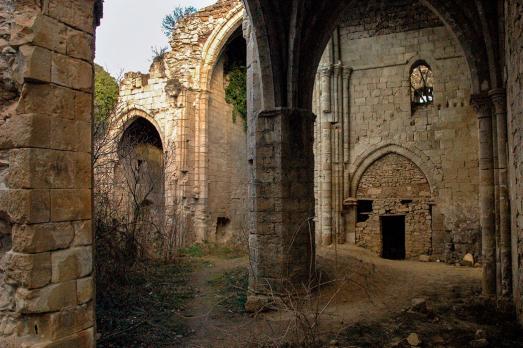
(232, 289)
(194, 250)
(144, 312)
(211, 249)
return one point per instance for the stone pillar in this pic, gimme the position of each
(325, 79)
(337, 156)
(347, 73)
(282, 228)
(46, 272)
(498, 98)
(481, 104)
(201, 223)
(325, 234)
(350, 206)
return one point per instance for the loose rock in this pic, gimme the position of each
(424, 258)
(468, 260)
(414, 340)
(479, 343)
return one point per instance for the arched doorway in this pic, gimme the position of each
(139, 182)
(227, 144)
(394, 209)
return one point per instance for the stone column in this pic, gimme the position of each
(350, 213)
(337, 157)
(46, 271)
(282, 227)
(201, 183)
(347, 72)
(326, 158)
(481, 104)
(498, 98)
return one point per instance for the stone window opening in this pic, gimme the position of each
(223, 225)
(364, 209)
(393, 237)
(421, 84)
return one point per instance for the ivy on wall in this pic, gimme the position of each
(236, 92)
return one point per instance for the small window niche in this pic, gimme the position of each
(421, 85)
(364, 210)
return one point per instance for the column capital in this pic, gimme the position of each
(347, 71)
(498, 97)
(350, 202)
(281, 111)
(337, 68)
(481, 104)
(325, 70)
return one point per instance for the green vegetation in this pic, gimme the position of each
(169, 22)
(236, 92)
(211, 249)
(158, 53)
(105, 94)
(232, 289)
(194, 250)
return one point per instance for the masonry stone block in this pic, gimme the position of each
(75, 13)
(71, 72)
(29, 130)
(48, 99)
(51, 298)
(83, 233)
(71, 263)
(28, 270)
(26, 206)
(80, 45)
(34, 63)
(85, 290)
(40, 238)
(69, 205)
(42, 168)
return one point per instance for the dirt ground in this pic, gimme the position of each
(365, 301)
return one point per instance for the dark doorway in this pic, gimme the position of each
(393, 237)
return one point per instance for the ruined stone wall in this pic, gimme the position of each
(46, 285)
(377, 57)
(514, 56)
(183, 95)
(396, 186)
(227, 165)
(167, 106)
(190, 37)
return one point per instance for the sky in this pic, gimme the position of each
(128, 30)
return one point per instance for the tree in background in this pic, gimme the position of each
(179, 12)
(105, 94)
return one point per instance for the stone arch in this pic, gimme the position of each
(139, 182)
(289, 80)
(422, 184)
(363, 162)
(225, 142)
(394, 208)
(130, 114)
(215, 44)
(126, 128)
